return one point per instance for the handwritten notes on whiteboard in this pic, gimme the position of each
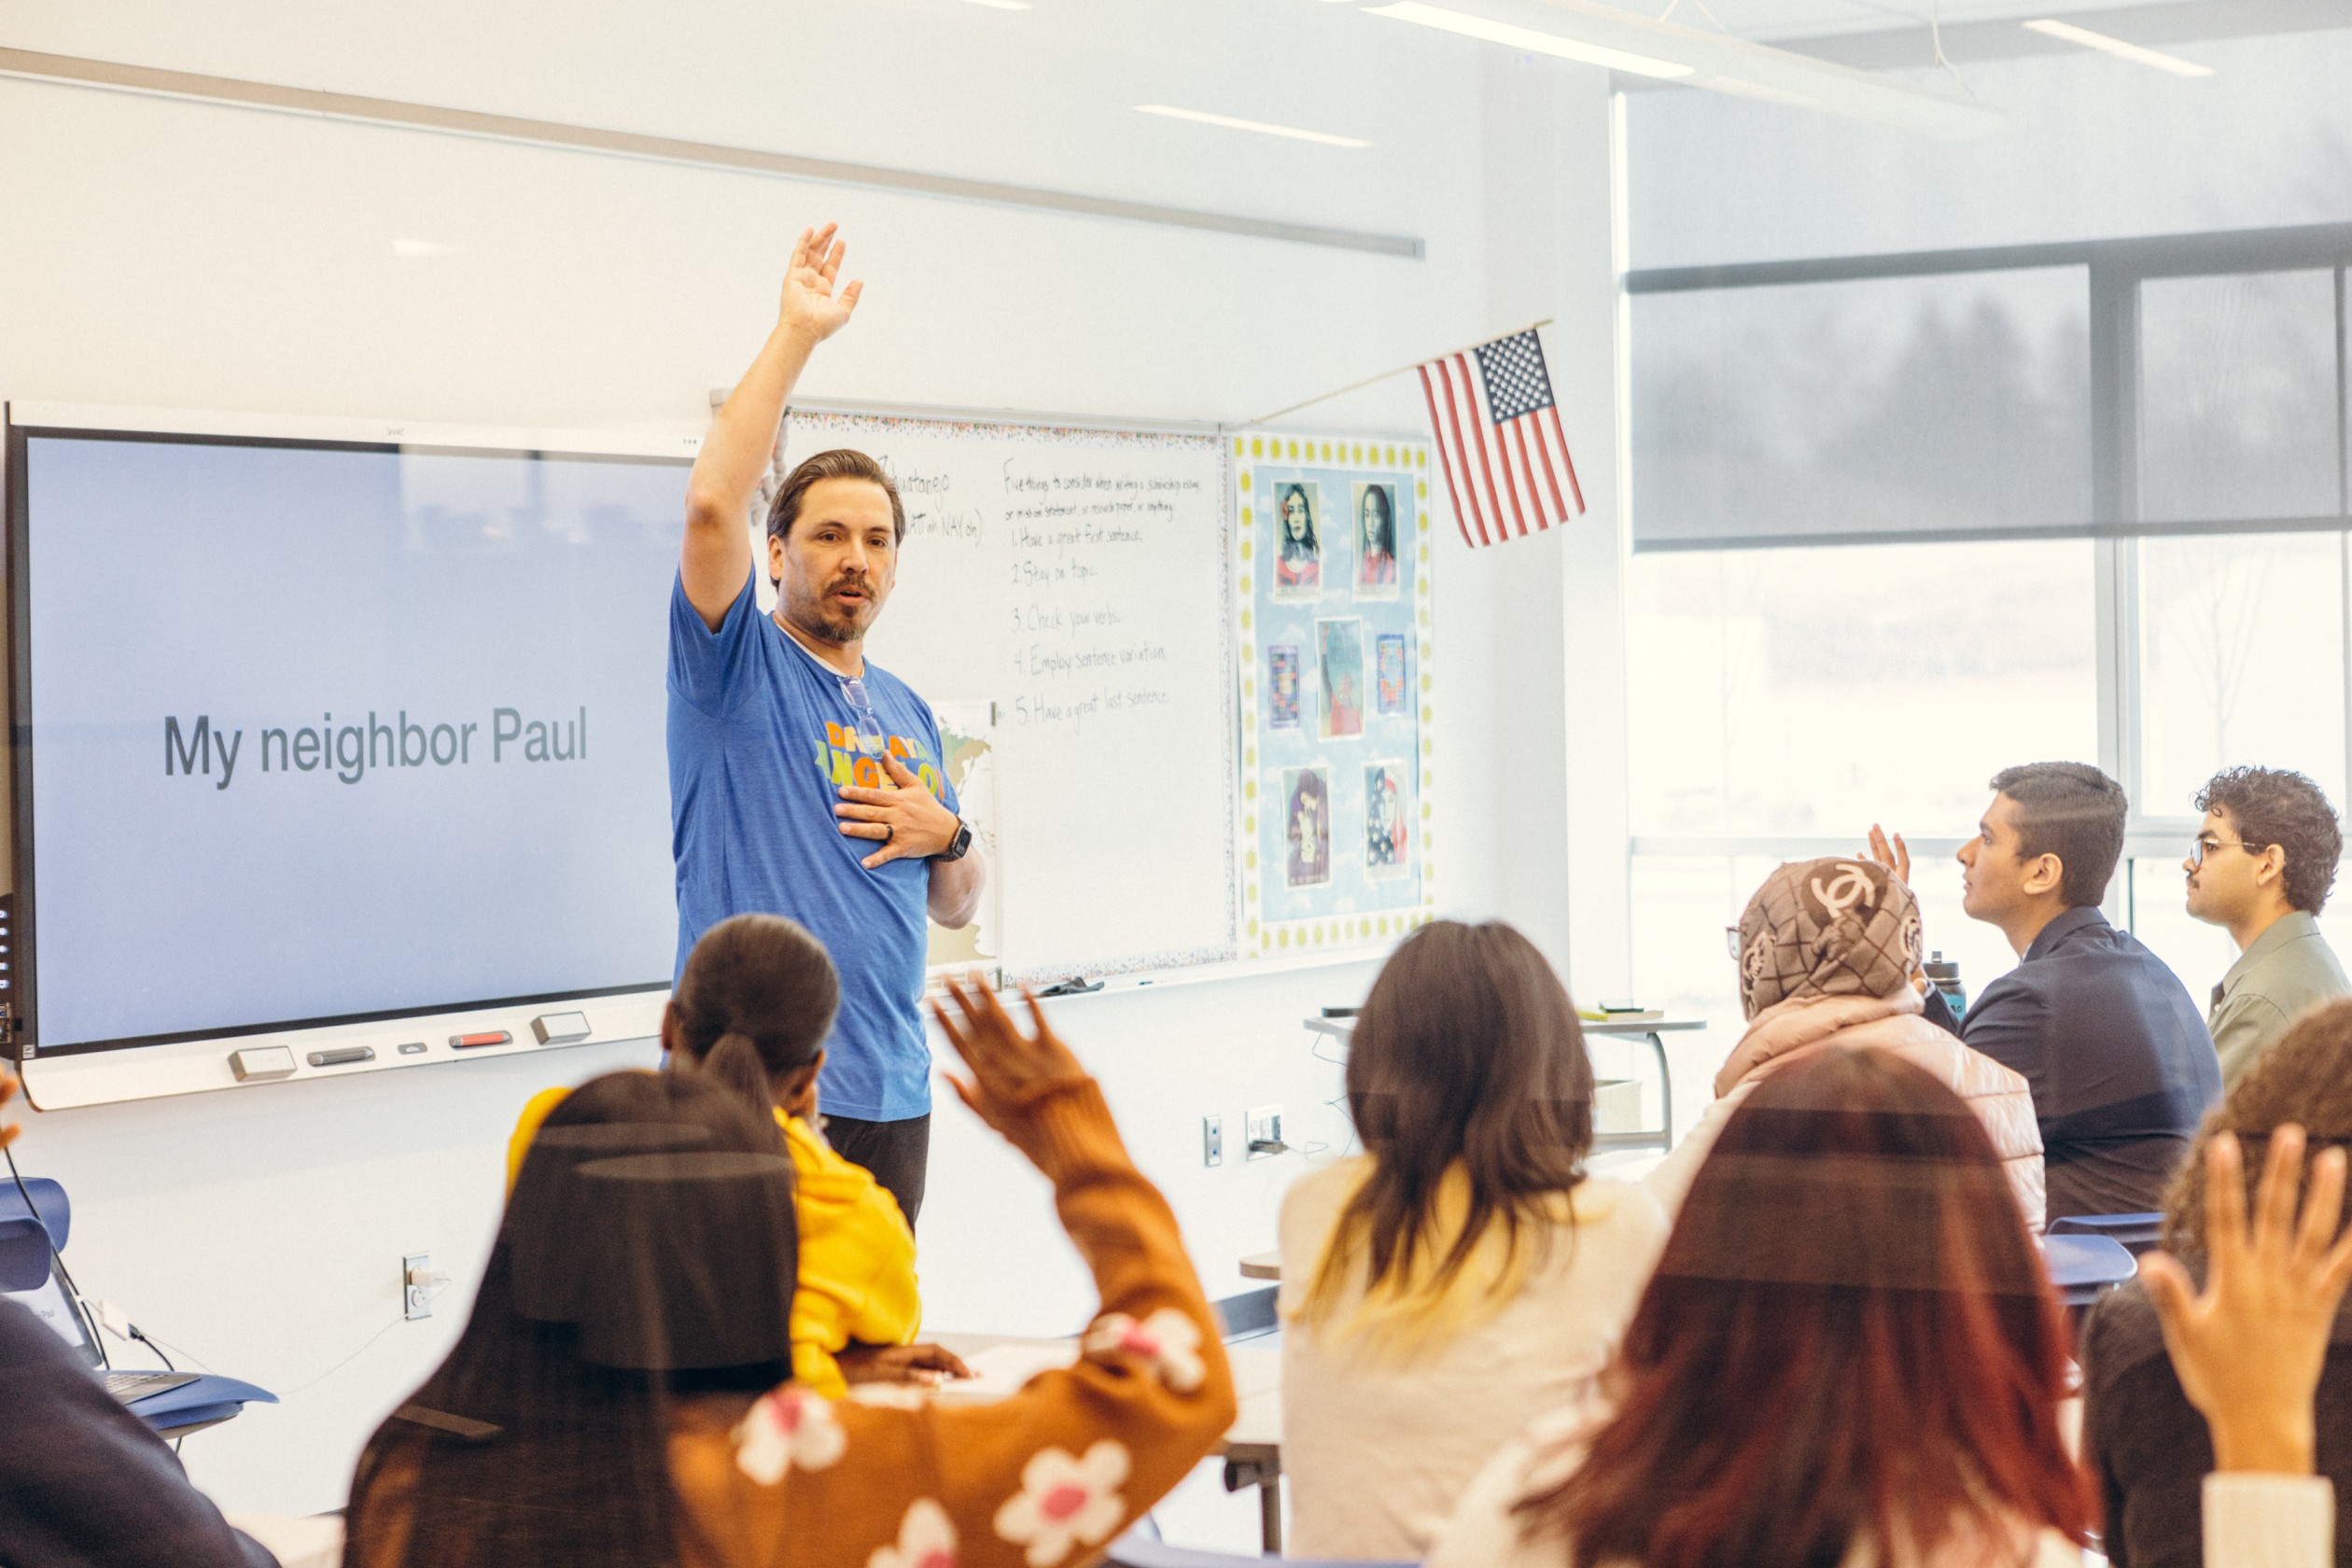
(1078, 579)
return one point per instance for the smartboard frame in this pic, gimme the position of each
(249, 1054)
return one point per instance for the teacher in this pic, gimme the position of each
(804, 780)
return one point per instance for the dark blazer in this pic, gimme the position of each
(2149, 1448)
(2117, 1056)
(83, 1483)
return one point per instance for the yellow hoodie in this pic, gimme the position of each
(857, 1255)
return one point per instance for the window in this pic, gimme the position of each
(2241, 659)
(1812, 692)
(1897, 405)
(2239, 397)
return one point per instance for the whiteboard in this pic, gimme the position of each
(1082, 581)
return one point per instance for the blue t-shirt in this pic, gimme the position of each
(762, 739)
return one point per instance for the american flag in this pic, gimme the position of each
(1499, 439)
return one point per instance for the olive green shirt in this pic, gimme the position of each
(2287, 968)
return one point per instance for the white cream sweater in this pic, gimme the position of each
(1379, 1446)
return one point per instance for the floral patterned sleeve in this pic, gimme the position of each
(1048, 1476)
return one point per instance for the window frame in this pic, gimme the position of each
(2115, 270)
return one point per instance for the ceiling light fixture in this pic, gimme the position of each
(2049, 27)
(1002, 5)
(1621, 40)
(1530, 39)
(1325, 137)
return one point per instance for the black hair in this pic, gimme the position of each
(1306, 545)
(756, 1000)
(521, 1451)
(2274, 806)
(2074, 812)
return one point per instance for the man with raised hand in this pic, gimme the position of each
(806, 781)
(2261, 868)
(2117, 1056)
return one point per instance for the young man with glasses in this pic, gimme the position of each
(804, 781)
(2261, 868)
(2119, 1059)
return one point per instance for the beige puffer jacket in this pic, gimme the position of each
(1998, 1095)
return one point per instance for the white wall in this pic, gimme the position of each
(173, 254)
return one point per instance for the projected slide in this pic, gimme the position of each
(322, 733)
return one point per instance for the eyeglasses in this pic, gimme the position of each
(870, 737)
(2200, 847)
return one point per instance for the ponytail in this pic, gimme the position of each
(735, 1065)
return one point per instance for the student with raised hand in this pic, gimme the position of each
(2249, 1348)
(1463, 1273)
(754, 1006)
(1828, 950)
(2261, 868)
(2117, 1056)
(1849, 1354)
(614, 1400)
(2142, 1432)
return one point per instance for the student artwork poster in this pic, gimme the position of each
(1334, 627)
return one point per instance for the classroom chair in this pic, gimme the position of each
(1133, 1550)
(35, 1220)
(2136, 1233)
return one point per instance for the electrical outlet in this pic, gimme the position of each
(416, 1285)
(1264, 1125)
(1212, 1139)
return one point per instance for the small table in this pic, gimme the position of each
(1651, 1029)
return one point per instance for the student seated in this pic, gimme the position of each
(2140, 1432)
(1828, 950)
(616, 1399)
(1849, 1354)
(82, 1480)
(1463, 1273)
(761, 988)
(2117, 1054)
(2263, 860)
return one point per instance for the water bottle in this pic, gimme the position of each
(1945, 978)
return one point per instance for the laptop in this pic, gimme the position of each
(51, 1304)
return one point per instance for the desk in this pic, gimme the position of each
(1252, 1448)
(1652, 1031)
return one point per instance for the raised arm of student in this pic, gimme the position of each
(2249, 1350)
(1043, 1478)
(716, 558)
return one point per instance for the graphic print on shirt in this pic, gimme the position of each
(844, 758)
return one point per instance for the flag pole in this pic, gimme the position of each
(1367, 381)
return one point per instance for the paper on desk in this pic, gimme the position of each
(999, 1371)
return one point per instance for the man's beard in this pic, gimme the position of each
(809, 614)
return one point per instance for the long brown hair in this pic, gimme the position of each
(525, 1448)
(756, 1000)
(2305, 1078)
(1849, 1337)
(1468, 1058)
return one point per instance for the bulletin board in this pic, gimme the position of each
(1336, 691)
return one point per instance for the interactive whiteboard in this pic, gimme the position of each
(1079, 580)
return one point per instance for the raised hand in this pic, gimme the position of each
(2250, 1349)
(1889, 851)
(1010, 1070)
(909, 820)
(809, 307)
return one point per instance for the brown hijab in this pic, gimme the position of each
(1828, 927)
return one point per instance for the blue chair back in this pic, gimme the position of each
(1132, 1551)
(2136, 1233)
(28, 1233)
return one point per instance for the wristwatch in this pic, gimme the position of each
(959, 845)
